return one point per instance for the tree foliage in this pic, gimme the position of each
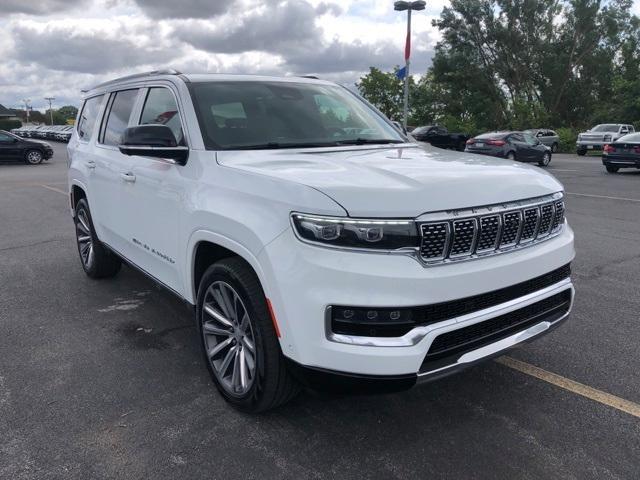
(527, 63)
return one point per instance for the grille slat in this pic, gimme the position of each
(478, 234)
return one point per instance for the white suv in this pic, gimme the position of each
(315, 243)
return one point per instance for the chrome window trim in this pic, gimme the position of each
(418, 334)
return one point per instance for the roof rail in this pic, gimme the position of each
(168, 71)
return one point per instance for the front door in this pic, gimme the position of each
(9, 147)
(156, 197)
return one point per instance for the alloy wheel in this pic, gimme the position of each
(83, 235)
(34, 157)
(228, 338)
(546, 159)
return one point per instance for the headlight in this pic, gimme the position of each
(342, 232)
(607, 138)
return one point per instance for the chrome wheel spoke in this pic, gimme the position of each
(227, 361)
(250, 359)
(244, 375)
(219, 347)
(210, 329)
(219, 317)
(90, 255)
(248, 344)
(235, 375)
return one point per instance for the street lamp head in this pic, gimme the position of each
(402, 5)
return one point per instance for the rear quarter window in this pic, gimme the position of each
(88, 116)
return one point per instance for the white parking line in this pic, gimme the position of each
(572, 386)
(54, 189)
(604, 196)
(562, 170)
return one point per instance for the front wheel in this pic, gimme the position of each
(239, 340)
(612, 169)
(546, 159)
(33, 157)
(581, 153)
(554, 148)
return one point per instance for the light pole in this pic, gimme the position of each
(50, 99)
(401, 6)
(26, 102)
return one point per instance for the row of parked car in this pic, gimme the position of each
(61, 133)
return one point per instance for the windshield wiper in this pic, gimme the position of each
(368, 141)
(277, 145)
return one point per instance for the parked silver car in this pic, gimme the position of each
(546, 137)
(600, 135)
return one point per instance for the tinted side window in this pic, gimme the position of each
(4, 138)
(516, 137)
(529, 139)
(160, 108)
(87, 120)
(118, 118)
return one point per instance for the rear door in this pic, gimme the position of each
(109, 185)
(520, 146)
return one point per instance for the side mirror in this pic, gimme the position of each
(399, 126)
(157, 141)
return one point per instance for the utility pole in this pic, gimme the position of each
(50, 99)
(400, 6)
(26, 102)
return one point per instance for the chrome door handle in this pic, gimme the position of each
(128, 177)
(91, 164)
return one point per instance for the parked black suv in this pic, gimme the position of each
(14, 148)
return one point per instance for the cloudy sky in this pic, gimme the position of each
(58, 47)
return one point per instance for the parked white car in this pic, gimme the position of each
(601, 135)
(309, 250)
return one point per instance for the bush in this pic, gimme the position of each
(568, 137)
(9, 124)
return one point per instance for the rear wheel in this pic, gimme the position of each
(554, 147)
(612, 169)
(97, 261)
(546, 159)
(582, 153)
(511, 156)
(33, 157)
(239, 340)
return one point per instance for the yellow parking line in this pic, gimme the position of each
(54, 189)
(604, 196)
(575, 387)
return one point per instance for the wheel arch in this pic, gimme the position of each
(204, 249)
(77, 191)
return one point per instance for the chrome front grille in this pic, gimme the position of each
(478, 232)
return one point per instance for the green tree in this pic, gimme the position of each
(385, 91)
(68, 112)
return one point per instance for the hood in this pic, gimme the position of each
(31, 140)
(400, 181)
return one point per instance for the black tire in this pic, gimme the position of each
(33, 157)
(612, 169)
(546, 159)
(581, 153)
(272, 384)
(511, 155)
(101, 262)
(554, 147)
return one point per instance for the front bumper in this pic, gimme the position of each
(303, 280)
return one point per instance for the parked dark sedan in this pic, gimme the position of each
(520, 146)
(440, 137)
(623, 153)
(15, 148)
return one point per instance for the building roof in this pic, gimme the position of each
(5, 112)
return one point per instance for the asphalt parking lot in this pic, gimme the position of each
(105, 380)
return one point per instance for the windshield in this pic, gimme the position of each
(605, 127)
(260, 115)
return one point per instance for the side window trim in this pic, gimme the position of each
(143, 100)
(107, 112)
(80, 122)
